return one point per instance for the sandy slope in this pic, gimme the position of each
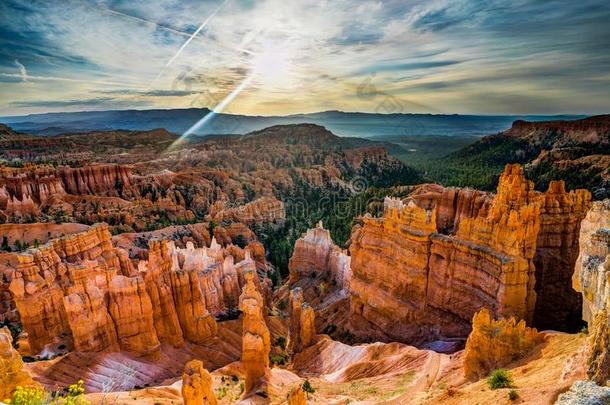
(392, 374)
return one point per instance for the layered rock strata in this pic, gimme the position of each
(82, 290)
(413, 283)
(316, 253)
(495, 343)
(23, 192)
(130, 307)
(197, 385)
(593, 264)
(592, 280)
(557, 248)
(265, 209)
(256, 340)
(598, 351)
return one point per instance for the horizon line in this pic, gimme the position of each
(311, 113)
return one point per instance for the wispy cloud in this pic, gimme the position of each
(61, 103)
(441, 55)
(22, 71)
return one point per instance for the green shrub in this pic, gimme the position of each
(307, 387)
(279, 359)
(500, 378)
(512, 395)
(281, 342)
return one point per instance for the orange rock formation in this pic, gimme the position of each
(294, 330)
(131, 310)
(412, 282)
(557, 249)
(495, 343)
(590, 278)
(256, 340)
(12, 374)
(197, 385)
(82, 289)
(297, 396)
(315, 252)
(598, 355)
(302, 328)
(266, 209)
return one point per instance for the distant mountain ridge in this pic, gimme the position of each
(341, 123)
(575, 151)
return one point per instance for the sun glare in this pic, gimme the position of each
(272, 66)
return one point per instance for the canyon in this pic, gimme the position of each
(415, 282)
(167, 291)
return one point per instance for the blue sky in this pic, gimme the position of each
(276, 57)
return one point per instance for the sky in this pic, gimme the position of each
(278, 57)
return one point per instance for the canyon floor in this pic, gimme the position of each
(391, 374)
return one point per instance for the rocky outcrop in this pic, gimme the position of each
(493, 343)
(308, 325)
(557, 304)
(256, 340)
(197, 385)
(197, 323)
(591, 279)
(131, 310)
(585, 393)
(265, 209)
(158, 281)
(316, 254)
(297, 396)
(12, 374)
(598, 353)
(92, 327)
(295, 302)
(23, 192)
(302, 328)
(593, 263)
(414, 282)
(42, 277)
(83, 291)
(452, 204)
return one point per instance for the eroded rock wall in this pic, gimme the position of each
(83, 291)
(493, 344)
(418, 278)
(315, 254)
(591, 279)
(593, 263)
(558, 306)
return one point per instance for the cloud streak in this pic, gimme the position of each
(452, 56)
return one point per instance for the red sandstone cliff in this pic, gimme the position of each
(418, 278)
(81, 289)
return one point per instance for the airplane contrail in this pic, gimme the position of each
(188, 41)
(202, 26)
(166, 28)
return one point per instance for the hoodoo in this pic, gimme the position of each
(256, 340)
(197, 385)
